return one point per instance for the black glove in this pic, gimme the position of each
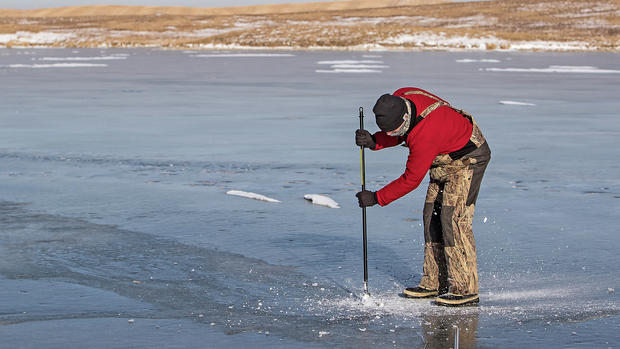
(366, 198)
(364, 138)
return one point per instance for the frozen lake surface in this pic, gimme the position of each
(116, 229)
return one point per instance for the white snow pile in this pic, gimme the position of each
(250, 195)
(515, 103)
(321, 200)
(352, 66)
(584, 69)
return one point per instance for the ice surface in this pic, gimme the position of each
(250, 195)
(322, 200)
(113, 203)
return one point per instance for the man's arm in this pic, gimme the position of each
(384, 141)
(420, 158)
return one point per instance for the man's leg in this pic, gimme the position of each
(434, 269)
(460, 194)
(460, 249)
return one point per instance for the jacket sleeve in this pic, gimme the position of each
(384, 141)
(418, 162)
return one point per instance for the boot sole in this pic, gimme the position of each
(409, 294)
(471, 301)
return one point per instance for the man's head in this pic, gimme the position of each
(391, 113)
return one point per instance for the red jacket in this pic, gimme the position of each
(441, 132)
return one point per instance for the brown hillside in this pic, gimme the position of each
(111, 10)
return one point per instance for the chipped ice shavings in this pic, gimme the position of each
(584, 69)
(250, 195)
(55, 65)
(515, 103)
(322, 200)
(530, 295)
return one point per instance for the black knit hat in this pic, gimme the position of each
(389, 111)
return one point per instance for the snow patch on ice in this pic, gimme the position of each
(56, 65)
(251, 195)
(585, 69)
(352, 66)
(322, 200)
(348, 71)
(469, 60)
(101, 58)
(230, 55)
(358, 66)
(350, 61)
(515, 103)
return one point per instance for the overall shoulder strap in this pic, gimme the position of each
(431, 107)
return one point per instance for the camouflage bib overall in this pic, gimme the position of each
(450, 263)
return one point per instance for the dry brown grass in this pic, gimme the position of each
(336, 24)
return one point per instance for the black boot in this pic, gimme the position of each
(419, 292)
(456, 300)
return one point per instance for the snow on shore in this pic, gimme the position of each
(428, 40)
(40, 38)
(103, 38)
(250, 195)
(322, 200)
